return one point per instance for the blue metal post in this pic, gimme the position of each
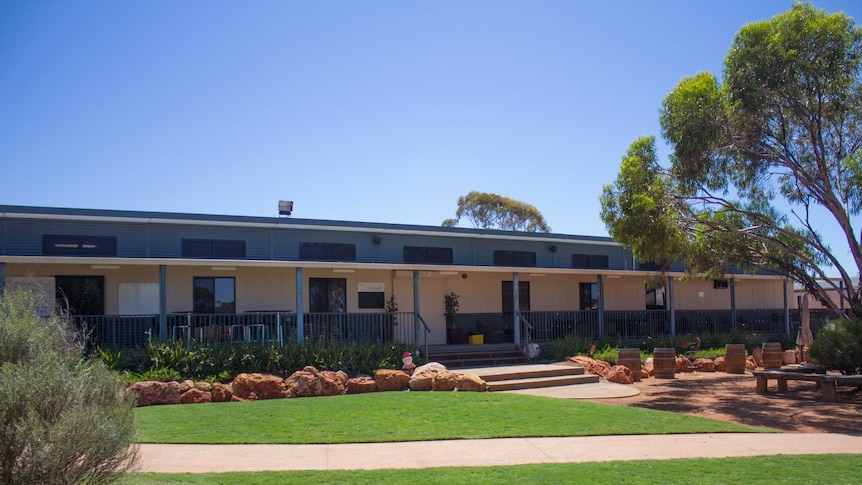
(2, 279)
(300, 317)
(672, 306)
(416, 307)
(163, 303)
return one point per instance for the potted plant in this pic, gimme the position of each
(452, 306)
(391, 320)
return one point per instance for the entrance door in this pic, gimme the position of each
(81, 295)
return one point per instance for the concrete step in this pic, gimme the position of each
(458, 356)
(532, 383)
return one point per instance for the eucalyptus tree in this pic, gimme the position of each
(491, 211)
(763, 161)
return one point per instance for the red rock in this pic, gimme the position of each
(683, 364)
(593, 366)
(704, 365)
(391, 380)
(444, 381)
(186, 385)
(310, 382)
(422, 376)
(470, 383)
(750, 363)
(361, 385)
(220, 392)
(204, 386)
(644, 373)
(195, 396)
(788, 357)
(648, 366)
(263, 386)
(151, 393)
(620, 374)
(720, 364)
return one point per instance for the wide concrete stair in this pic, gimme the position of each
(510, 378)
(459, 356)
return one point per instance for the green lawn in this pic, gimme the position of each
(408, 416)
(784, 470)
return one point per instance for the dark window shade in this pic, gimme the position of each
(720, 284)
(590, 261)
(416, 254)
(515, 258)
(327, 252)
(62, 245)
(371, 299)
(213, 249)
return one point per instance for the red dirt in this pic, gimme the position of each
(732, 397)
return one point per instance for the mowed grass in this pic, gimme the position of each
(786, 470)
(408, 416)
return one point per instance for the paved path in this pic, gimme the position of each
(511, 451)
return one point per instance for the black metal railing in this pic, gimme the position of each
(121, 331)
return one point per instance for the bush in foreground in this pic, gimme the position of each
(63, 419)
(838, 346)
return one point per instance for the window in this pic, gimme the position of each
(655, 299)
(214, 295)
(515, 258)
(213, 249)
(371, 299)
(416, 254)
(589, 261)
(327, 252)
(81, 295)
(327, 295)
(650, 266)
(589, 296)
(59, 245)
(719, 284)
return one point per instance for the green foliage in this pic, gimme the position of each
(784, 124)
(711, 345)
(492, 211)
(175, 360)
(63, 419)
(838, 346)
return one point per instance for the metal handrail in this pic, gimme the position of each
(528, 326)
(425, 335)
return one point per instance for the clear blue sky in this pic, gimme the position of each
(366, 111)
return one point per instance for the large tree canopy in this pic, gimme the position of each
(492, 211)
(762, 162)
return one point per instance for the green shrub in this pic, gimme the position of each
(63, 419)
(838, 346)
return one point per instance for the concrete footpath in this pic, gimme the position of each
(508, 451)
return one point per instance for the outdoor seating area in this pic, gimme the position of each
(828, 383)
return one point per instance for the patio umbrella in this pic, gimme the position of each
(804, 336)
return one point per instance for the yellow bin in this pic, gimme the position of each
(476, 339)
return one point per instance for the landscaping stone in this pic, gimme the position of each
(204, 386)
(470, 383)
(220, 392)
(391, 380)
(593, 366)
(258, 386)
(422, 376)
(720, 364)
(751, 363)
(151, 393)
(310, 382)
(195, 396)
(788, 357)
(444, 381)
(620, 374)
(361, 385)
(757, 354)
(648, 366)
(704, 365)
(683, 364)
(644, 373)
(186, 385)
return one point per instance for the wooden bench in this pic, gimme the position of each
(829, 384)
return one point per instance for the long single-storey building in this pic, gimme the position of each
(129, 276)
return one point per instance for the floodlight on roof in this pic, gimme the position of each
(285, 207)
